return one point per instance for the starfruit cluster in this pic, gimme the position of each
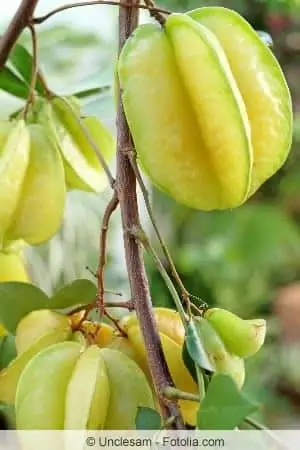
(208, 107)
(41, 157)
(72, 373)
(61, 380)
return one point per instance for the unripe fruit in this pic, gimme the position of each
(9, 377)
(79, 337)
(89, 385)
(221, 360)
(14, 158)
(40, 207)
(167, 320)
(218, 121)
(37, 324)
(241, 337)
(41, 392)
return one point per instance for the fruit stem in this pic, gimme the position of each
(139, 286)
(152, 9)
(140, 236)
(172, 392)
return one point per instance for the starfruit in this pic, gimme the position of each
(14, 159)
(40, 208)
(83, 168)
(65, 387)
(218, 119)
(12, 267)
(222, 361)
(241, 337)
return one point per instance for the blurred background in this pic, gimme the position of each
(246, 260)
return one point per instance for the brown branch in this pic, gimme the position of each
(126, 188)
(152, 9)
(110, 208)
(19, 22)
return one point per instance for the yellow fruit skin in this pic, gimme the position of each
(241, 337)
(12, 267)
(89, 383)
(14, 159)
(40, 208)
(82, 166)
(195, 120)
(9, 377)
(41, 392)
(262, 85)
(180, 374)
(167, 320)
(37, 324)
(98, 333)
(129, 389)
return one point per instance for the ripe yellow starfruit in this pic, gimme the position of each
(207, 105)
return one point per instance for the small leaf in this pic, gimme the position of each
(147, 419)
(189, 362)
(7, 350)
(21, 60)
(17, 300)
(224, 407)
(10, 83)
(79, 292)
(196, 349)
(92, 91)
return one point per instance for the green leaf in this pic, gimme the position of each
(147, 419)
(21, 60)
(92, 91)
(10, 83)
(18, 299)
(224, 407)
(79, 292)
(195, 348)
(8, 350)
(189, 362)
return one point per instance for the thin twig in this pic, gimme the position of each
(20, 21)
(35, 69)
(115, 322)
(91, 142)
(139, 286)
(126, 305)
(141, 237)
(184, 293)
(110, 208)
(171, 392)
(152, 9)
(157, 15)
